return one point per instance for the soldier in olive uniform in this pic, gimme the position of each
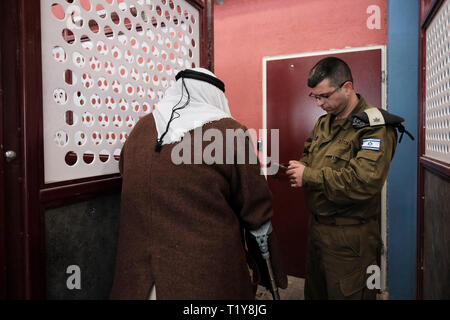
(343, 170)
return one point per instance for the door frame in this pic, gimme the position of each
(383, 267)
(22, 230)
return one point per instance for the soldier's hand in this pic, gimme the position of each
(295, 173)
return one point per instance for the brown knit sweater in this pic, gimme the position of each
(181, 225)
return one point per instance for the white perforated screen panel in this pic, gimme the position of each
(437, 103)
(105, 64)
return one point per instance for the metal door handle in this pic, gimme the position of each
(10, 155)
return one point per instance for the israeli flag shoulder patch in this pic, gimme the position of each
(371, 144)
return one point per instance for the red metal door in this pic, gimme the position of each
(290, 110)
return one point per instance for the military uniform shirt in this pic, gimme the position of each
(346, 167)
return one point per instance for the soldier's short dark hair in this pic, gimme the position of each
(331, 68)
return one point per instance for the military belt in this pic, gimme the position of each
(341, 221)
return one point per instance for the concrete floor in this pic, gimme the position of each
(294, 290)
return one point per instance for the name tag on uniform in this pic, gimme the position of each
(371, 144)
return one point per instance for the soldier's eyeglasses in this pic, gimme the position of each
(325, 96)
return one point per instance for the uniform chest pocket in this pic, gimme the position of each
(338, 156)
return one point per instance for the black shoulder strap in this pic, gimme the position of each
(373, 117)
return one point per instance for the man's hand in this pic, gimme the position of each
(295, 173)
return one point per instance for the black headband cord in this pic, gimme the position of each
(191, 74)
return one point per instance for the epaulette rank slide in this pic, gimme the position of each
(373, 117)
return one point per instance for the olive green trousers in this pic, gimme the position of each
(337, 260)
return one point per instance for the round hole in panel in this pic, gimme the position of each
(88, 157)
(93, 26)
(193, 42)
(129, 57)
(96, 101)
(77, 19)
(95, 64)
(168, 69)
(104, 155)
(58, 11)
(179, 10)
(145, 77)
(117, 120)
(167, 15)
(134, 43)
(164, 54)
(186, 14)
(139, 29)
(123, 6)
(87, 81)
(122, 38)
(140, 91)
(117, 154)
(171, 5)
(129, 89)
(175, 20)
(135, 72)
(87, 119)
(145, 47)
(111, 1)
(101, 12)
(164, 28)
(111, 137)
(60, 96)
(146, 107)
(168, 43)
(70, 118)
(85, 4)
(155, 51)
(61, 138)
(102, 48)
(69, 77)
(71, 158)
(123, 137)
(110, 103)
(116, 53)
(164, 82)
(79, 99)
(59, 54)
(150, 34)
(68, 36)
(86, 42)
(158, 11)
(128, 23)
(135, 106)
(144, 16)
(192, 19)
(115, 17)
(151, 93)
(133, 10)
(123, 104)
(190, 53)
(80, 138)
(130, 121)
(109, 33)
(123, 72)
(102, 83)
(163, 2)
(190, 29)
(103, 119)
(155, 80)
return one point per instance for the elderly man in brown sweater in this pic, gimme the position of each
(185, 204)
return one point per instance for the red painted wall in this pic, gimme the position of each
(245, 31)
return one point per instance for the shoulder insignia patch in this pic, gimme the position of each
(371, 144)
